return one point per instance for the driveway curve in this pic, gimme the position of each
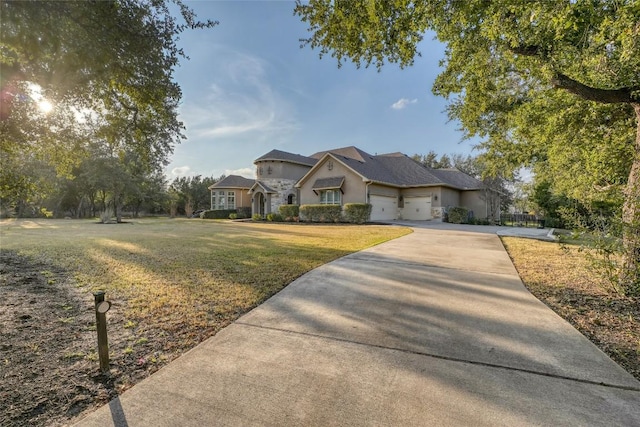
(433, 328)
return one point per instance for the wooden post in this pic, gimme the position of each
(102, 307)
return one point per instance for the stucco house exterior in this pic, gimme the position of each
(231, 192)
(395, 185)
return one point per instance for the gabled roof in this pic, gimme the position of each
(262, 185)
(233, 181)
(349, 152)
(287, 157)
(396, 169)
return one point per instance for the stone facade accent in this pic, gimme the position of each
(437, 214)
(284, 187)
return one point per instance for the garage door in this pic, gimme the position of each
(383, 208)
(417, 208)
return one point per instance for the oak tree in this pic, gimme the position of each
(538, 81)
(90, 72)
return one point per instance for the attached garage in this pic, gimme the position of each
(383, 208)
(417, 208)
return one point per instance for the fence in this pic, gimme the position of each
(521, 220)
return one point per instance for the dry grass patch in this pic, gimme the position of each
(561, 277)
(173, 283)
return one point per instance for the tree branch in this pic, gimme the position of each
(531, 50)
(605, 96)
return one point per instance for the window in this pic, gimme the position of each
(231, 200)
(218, 199)
(330, 197)
(291, 199)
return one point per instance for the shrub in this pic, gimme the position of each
(275, 217)
(458, 215)
(256, 217)
(46, 213)
(321, 213)
(233, 216)
(357, 213)
(289, 212)
(217, 214)
(244, 212)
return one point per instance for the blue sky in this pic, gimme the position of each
(249, 88)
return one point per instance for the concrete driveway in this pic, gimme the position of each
(434, 328)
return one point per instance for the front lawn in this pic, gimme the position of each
(173, 283)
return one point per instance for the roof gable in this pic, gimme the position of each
(233, 181)
(349, 152)
(395, 169)
(265, 188)
(284, 156)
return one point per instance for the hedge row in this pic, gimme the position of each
(321, 213)
(217, 214)
(226, 213)
(289, 212)
(357, 213)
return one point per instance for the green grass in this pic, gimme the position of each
(179, 275)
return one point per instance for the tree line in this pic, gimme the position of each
(100, 186)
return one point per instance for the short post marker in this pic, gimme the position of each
(102, 307)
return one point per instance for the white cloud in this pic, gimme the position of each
(238, 102)
(180, 171)
(246, 172)
(403, 103)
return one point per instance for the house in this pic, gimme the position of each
(395, 185)
(231, 192)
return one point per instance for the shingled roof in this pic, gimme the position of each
(349, 152)
(233, 181)
(458, 179)
(396, 169)
(399, 170)
(278, 155)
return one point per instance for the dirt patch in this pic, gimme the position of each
(612, 322)
(49, 369)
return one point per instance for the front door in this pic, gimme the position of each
(258, 206)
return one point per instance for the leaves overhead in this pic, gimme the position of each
(107, 68)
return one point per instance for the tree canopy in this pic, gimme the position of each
(104, 72)
(549, 84)
(105, 67)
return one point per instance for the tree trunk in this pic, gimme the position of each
(116, 208)
(630, 274)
